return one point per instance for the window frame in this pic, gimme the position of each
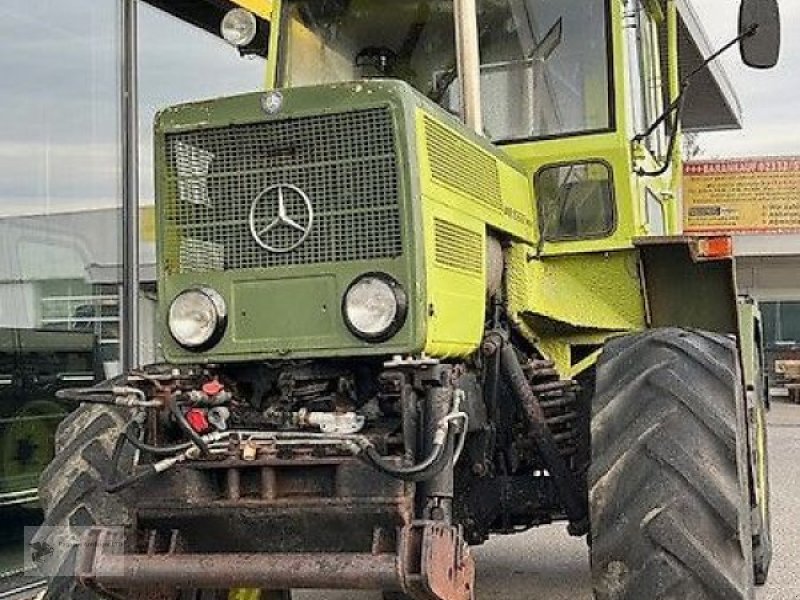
(612, 201)
(644, 37)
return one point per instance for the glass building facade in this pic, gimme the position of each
(61, 225)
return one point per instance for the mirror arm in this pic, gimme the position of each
(676, 106)
(749, 33)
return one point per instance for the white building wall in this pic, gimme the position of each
(768, 266)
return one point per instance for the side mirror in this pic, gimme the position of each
(760, 33)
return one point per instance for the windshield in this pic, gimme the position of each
(329, 41)
(544, 72)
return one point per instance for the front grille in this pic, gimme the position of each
(345, 164)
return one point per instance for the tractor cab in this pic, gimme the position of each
(544, 68)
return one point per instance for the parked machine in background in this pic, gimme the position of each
(392, 333)
(782, 348)
(787, 372)
(34, 365)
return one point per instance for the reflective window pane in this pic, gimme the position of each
(59, 231)
(575, 201)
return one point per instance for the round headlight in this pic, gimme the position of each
(197, 318)
(239, 27)
(374, 307)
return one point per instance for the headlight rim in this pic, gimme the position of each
(220, 308)
(252, 22)
(401, 300)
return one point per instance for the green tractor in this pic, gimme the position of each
(426, 288)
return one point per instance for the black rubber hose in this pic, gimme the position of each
(428, 468)
(184, 424)
(132, 437)
(118, 486)
(115, 458)
(575, 503)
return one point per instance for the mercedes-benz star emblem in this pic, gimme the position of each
(272, 102)
(281, 218)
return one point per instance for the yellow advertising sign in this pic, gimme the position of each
(752, 195)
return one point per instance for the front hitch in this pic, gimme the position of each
(432, 562)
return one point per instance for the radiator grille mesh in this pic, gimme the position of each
(345, 163)
(462, 166)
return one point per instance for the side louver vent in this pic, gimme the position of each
(457, 247)
(462, 166)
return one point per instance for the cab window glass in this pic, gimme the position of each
(575, 201)
(345, 40)
(544, 68)
(545, 63)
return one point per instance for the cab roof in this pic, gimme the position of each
(711, 104)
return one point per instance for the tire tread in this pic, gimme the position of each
(665, 494)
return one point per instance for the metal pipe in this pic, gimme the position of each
(439, 489)
(468, 61)
(129, 128)
(267, 571)
(674, 78)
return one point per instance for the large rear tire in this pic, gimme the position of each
(669, 497)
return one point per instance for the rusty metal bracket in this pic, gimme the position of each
(435, 562)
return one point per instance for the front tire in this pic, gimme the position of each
(73, 496)
(669, 495)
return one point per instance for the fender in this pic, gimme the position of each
(689, 282)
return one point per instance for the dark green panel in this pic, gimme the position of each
(260, 315)
(684, 290)
(349, 149)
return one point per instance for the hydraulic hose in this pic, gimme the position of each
(131, 436)
(431, 466)
(130, 432)
(145, 473)
(116, 486)
(574, 501)
(111, 396)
